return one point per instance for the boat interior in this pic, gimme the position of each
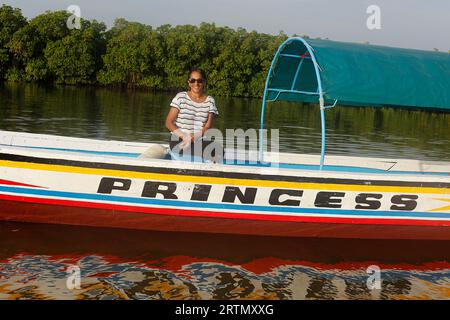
(43, 144)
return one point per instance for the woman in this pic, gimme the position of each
(191, 115)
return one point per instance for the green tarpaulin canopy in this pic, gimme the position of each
(359, 74)
(330, 72)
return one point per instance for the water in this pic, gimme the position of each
(125, 264)
(139, 116)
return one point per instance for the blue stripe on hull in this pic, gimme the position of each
(102, 153)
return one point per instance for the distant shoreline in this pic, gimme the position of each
(132, 55)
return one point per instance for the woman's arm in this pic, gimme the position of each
(208, 124)
(170, 122)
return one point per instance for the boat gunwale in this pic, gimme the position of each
(336, 165)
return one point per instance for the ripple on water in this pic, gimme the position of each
(106, 278)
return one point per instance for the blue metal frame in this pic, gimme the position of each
(319, 92)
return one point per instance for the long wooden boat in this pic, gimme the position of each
(64, 180)
(77, 181)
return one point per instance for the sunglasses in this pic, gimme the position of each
(192, 80)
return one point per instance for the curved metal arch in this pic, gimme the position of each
(319, 89)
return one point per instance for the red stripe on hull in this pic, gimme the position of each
(227, 215)
(192, 221)
(14, 183)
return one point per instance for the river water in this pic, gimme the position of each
(36, 259)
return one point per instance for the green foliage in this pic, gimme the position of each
(132, 54)
(28, 44)
(75, 59)
(11, 20)
(36, 70)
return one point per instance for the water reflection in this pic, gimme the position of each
(124, 264)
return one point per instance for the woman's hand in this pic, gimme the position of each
(188, 138)
(197, 135)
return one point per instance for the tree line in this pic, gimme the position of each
(132, 54)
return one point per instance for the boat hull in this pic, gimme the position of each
(167, 195)
(185, 222)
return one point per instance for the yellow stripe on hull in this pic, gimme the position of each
(218, 180)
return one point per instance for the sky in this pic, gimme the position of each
(414, 24)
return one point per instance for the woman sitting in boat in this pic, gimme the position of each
(191, 114)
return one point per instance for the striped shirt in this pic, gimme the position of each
(192, 115)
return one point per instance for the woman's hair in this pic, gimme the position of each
(202, 73)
